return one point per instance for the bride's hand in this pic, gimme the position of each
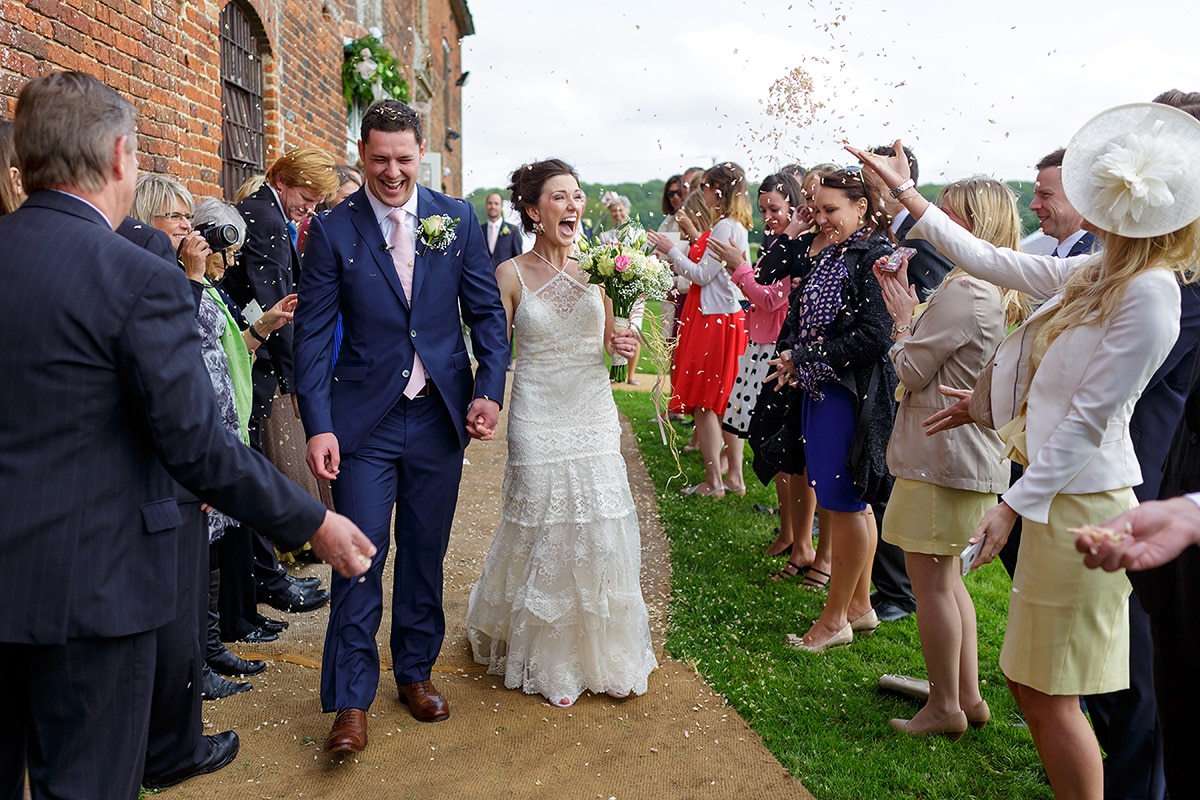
(623, 343)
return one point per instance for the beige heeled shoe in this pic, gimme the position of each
(952, 727)
(843, 637)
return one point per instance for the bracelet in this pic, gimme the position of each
(911, 196)
(902, 188)
(261, 339)
(899, 329)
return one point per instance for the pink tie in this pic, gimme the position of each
(402, 256)
(493, 234)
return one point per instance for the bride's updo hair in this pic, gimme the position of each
(527, 182)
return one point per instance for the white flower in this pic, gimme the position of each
(366, 68)
(1133, 175)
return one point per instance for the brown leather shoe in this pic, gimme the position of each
(349, 732)
(425, 702)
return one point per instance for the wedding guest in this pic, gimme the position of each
(706, 367)
(11, 195)
(1081, 361)
(558, 608)
(945, 484)
(779, 196)
(779, 453)
(672, 201)
(165, 204)
(503, 240)
(836, 357)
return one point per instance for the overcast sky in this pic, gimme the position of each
(974, 87)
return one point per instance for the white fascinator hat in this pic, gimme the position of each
(1134, 170)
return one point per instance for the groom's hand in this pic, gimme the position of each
(482, 417)
(323, 456)
(339, 543)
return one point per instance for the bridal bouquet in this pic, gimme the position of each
(622, 263)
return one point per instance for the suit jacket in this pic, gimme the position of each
(347, 268)
(148, 237)
(1083, 393)
(928, 267)
(1085, 245)
(268, 270)
(508, 245)
(105, 400)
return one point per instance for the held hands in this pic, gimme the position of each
(727, 253)
(339, 543)
(482, 417)
(1158, 532)
(623, 343)
(951, 417)
(193, 252)
(785, 370)
(994, 530)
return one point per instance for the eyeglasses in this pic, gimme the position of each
(674, 193)
(175, 216)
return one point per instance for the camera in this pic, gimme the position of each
(219, 237)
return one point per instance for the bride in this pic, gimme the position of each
(558, 608)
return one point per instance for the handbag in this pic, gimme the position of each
(980, 407)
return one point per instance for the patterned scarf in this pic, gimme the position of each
(820, 302)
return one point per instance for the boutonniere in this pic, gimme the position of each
(437, 231)
(505, 230)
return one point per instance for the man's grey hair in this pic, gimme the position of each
(66, 126)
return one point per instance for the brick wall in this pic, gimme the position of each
(165, 56)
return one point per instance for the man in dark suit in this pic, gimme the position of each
(893, 597)
(503, 240)
(388, 423)
(101, 408)
(269, 270)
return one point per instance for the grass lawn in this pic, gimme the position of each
(821, 715)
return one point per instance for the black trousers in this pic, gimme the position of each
(176, 733)
(237, 602)
(888, 572)
(76, 715)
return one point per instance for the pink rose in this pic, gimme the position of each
(622, 263)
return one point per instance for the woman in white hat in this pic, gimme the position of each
(1062, 389)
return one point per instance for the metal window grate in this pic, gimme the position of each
(241, 99)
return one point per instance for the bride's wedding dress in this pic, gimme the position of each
(558, 608)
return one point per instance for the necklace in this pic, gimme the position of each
(549, 263)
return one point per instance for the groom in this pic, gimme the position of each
(389, 422)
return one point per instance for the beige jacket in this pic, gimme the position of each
(950, 344)
(1083, 393)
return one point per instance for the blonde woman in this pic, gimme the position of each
(707, 364)
(1063, 389)
(945, 484)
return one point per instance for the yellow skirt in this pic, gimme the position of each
(1068, 626)
(935, 520)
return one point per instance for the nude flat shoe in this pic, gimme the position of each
(952, 727)
(867, 623)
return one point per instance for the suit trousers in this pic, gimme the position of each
(412, 463)
(888, 572)
(176, 738)
(237, 601)
(76, 715)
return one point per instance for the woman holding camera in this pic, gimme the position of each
(1063, 387)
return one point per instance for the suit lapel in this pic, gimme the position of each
(423, 253)
(363, 218)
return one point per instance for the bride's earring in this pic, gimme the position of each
(538, 229)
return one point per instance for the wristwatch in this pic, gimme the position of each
(902, 188)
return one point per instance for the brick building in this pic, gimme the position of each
(224, 86)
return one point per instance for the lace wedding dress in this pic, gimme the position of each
(558, 608)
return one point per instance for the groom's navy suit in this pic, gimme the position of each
(394, 451)
(105, 400)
